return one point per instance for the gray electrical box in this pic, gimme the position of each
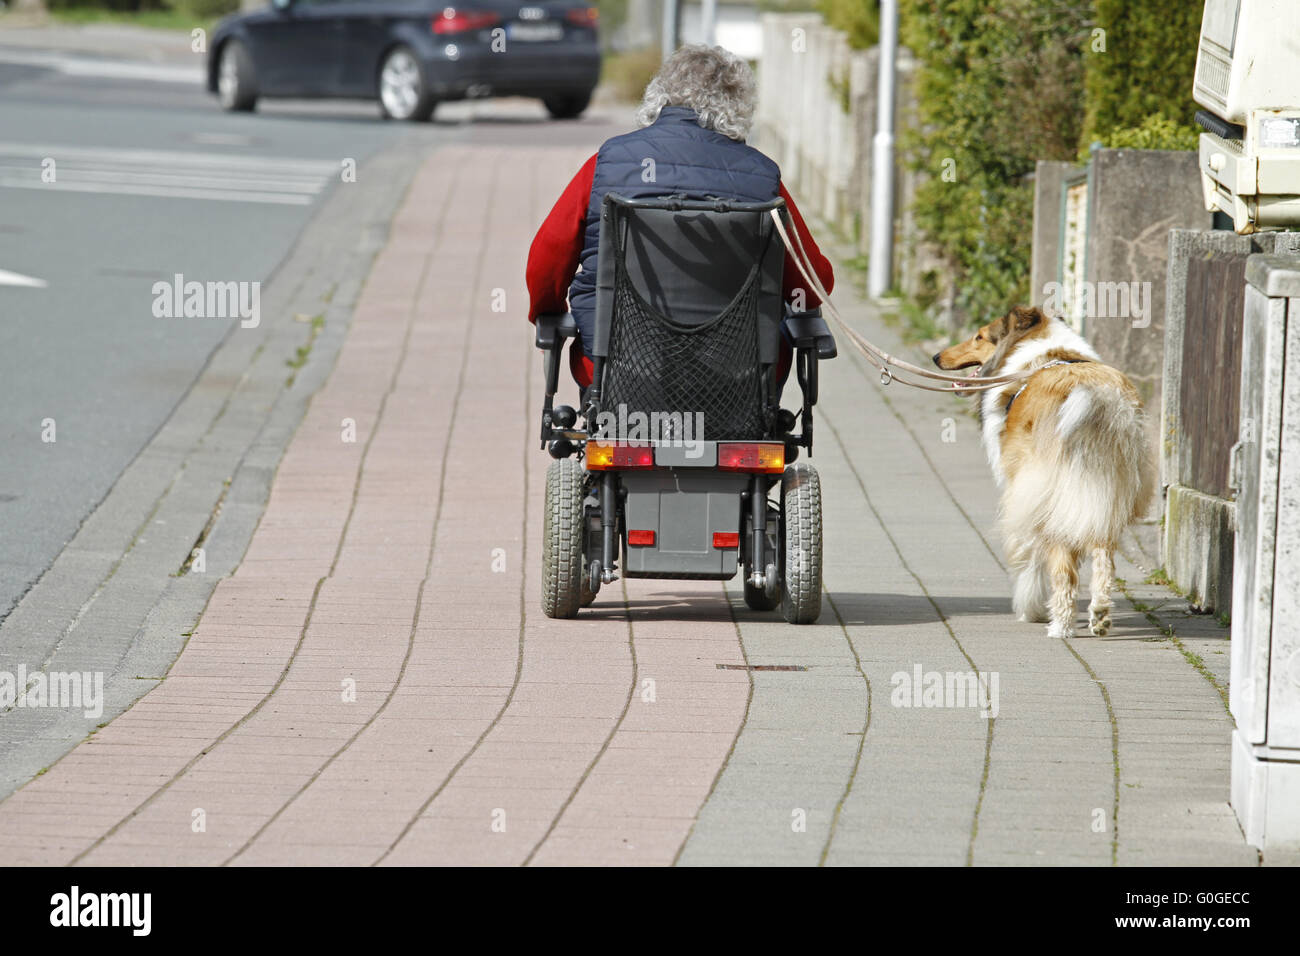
(1265, 686)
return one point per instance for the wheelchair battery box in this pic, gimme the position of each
(694, 518)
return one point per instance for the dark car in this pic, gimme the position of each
(408, 54)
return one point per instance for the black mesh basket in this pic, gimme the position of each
(711, 369)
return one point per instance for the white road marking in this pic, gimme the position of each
(175, 174)
(17, 278)
(106, 69)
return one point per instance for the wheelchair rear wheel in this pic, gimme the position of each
(564, 572)
(801, 544)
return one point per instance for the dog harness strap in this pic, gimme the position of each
(1025, 384)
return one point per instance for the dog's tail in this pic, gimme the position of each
(1091, 475)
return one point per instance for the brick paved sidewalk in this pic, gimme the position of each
(376, 682)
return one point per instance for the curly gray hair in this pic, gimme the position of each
(718, 85)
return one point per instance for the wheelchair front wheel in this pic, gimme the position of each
(801, 544)
(564, 574)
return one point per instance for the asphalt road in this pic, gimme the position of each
(150, 180)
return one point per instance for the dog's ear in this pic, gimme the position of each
(1006, 332)
(997, 358)
(1022, 319)
(998, 329)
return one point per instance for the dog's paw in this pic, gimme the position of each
(1062, 631)
(1099, 622)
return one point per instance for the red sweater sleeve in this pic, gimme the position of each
(557, 247)
(792, 280)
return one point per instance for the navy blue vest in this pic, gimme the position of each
(686, 159)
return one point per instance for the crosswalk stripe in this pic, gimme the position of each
(176, 174)
(161, 192)
(104, 68)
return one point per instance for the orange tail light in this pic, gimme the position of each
(766, 458)
(618, 456)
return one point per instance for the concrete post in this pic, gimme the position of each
(880, 266)
(672, 28)
(708, 21)
(1265, 684)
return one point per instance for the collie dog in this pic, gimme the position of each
(1070, 454)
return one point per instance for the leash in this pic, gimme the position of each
(876, 356)
(1050, 364)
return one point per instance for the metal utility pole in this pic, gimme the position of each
(709, 21)
(880, 266)
(672, 28)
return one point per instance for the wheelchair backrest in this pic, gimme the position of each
(688, 309)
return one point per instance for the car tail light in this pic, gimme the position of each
(641, 539)
(452, 20)
(762, 457)
(726, 539)
(614, 455)
(583, 16)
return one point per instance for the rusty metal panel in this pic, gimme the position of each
(1211, 375)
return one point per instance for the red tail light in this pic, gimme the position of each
(762, 457)
(452, 20)
(583, 16)
(617, 456)
(726, 539)
(641, 539)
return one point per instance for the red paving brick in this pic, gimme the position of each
(480, 732)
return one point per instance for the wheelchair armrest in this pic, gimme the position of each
(552, 325)
(809, 330)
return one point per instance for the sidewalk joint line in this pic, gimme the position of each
(627, 704)
(860, 364)
(862, 739)
(1167, 630)
(988, 738)
(1114, 750)
(744, 720)
(523, 585)
(1105, 692)
(428, 564)
(302, 634)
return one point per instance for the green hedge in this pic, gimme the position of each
(1004, 84)
(1147, 67)
(999, 87)
(118, 6)
(859, 19)
(204, 9)
(1155, 132)
(196, 9)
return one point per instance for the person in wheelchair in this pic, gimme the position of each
(686, 316)
(694, 118)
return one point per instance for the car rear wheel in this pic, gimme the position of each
(402, 93)
(801, 544)
(569, 106)
(236, 82)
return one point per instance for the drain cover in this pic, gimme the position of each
(761, 667)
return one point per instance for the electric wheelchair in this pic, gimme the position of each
(685, 465)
